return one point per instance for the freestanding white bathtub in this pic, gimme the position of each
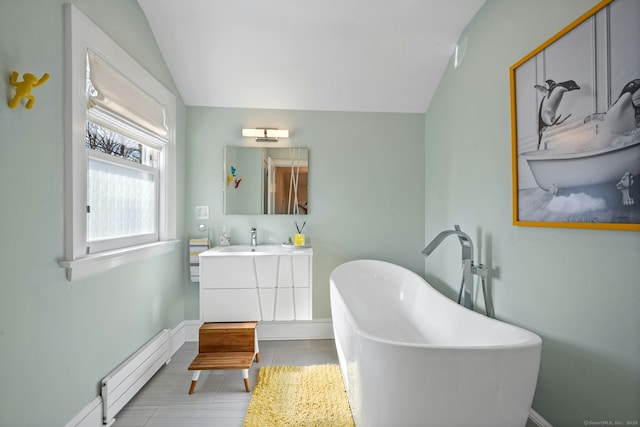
(409, 356)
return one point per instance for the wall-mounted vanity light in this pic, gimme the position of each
(266, 135)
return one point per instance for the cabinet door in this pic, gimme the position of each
(284, 304)
(229, 305)
(268, 303)
(294, 271)
(285, 274)
(301, 269)
(225, 272)
(267, 270)
(303, 303)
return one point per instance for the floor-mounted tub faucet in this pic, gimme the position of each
(468, 267)
(253, 233)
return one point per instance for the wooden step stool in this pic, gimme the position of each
(226, 346)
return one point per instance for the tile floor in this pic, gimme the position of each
(219, 399)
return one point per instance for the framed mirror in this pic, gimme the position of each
(266, 181)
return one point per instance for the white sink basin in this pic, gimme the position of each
(247, 250)
(238, 249)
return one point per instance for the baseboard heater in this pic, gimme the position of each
(131, 375)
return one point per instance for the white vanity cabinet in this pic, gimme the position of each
(267, 282)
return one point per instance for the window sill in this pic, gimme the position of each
(103, 261)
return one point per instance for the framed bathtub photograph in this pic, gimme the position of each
(575, 121)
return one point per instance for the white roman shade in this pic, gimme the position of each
(110, 93)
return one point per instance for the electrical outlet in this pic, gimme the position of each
(202, 212)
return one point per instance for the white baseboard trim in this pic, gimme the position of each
(90, 416)
(186, 331)
(536, 420)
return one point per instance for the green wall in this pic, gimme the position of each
(578, 289)
(366, 186)
(59, 338)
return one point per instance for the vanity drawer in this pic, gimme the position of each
(229, 305)
(285, 303)
(227, 272)
(284, 271)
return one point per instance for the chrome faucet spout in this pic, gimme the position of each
(469, 269)
(253, 233)
(465, 241)
(466, 289)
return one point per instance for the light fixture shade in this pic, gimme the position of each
(266, 134)
(277, 133)
(253, 133)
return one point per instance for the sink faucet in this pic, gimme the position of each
(469, 269)
(253, 233)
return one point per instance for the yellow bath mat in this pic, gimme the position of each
(299, 396)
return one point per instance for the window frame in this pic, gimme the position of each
(81, 35)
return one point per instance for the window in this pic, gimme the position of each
(122, 190)
(119, 154)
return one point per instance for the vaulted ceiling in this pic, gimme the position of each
(328, 55)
